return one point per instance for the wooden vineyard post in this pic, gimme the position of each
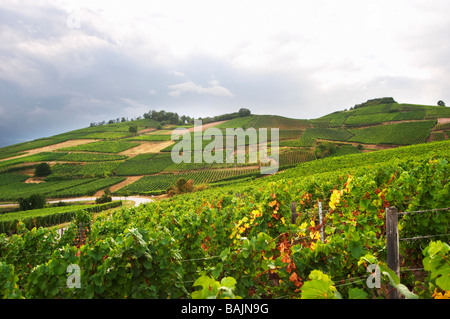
(320, 221)
(293, 213)
(393, 261)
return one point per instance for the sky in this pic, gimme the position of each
(65, 64)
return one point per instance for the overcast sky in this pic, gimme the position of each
(64, 64)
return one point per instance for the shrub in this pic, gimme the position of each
(181, 186)
(42, 170)
(133, 129)
(34, 201)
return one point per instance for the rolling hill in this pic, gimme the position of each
(86, 161)
(309, 231)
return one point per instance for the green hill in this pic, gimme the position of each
(312, 230)
(119, 153)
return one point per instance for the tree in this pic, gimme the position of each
(34, 201)
(244, 112)
(325, 149)
(133, 129)
(441, 103)
(42, 170)
(181, 186)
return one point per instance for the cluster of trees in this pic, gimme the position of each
(35, 201)
(173, 118)
(325, 149)
(113, 121)
(181, 186)
(42, 170)
(224, 117)
(168, 117)
(383, 100)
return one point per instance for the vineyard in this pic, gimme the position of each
(248, 237)
(157, 184)
(315, 229)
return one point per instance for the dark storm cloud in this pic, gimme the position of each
(303, 60)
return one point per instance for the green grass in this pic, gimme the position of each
(156, 184)
(91, 157)
(370, 119)
(16, 190)
(102, 147)
(437, 136)
(107, 135)
(64, 171)
(150, 137)
(346, 150)
(236, 122)
(275, 121)
(10, 178)
(265, 121)
(442, 126)
(49, 216)
(87, 189)
(397, 134)
(97, 169)
(41, 157)
(144, 164)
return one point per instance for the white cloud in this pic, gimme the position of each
(190, 87)
(293, 58)
(177, 73)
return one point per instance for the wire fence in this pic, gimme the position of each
(82, 233)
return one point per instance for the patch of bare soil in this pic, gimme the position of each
(146, 147)
(127, 181)
(147, 130)
(35, 180)
(115, 187)
(385, 123)
(443, 120)
(53, 147)
(366, 146)
(191, 129)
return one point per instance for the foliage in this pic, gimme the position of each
(46, 217)
(103, 147)
(213, 289)
(34, 201)
(325, 149)
(91, 157)
(133, 129)
(42, 170)
(181, 186)
(437, 263)
(384, 100)
(320, 286)
(399, 134)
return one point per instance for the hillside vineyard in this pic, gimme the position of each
(314, 228)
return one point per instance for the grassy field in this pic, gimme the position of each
(102, 147)
(96, 164)
(398, 134)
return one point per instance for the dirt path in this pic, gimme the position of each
(443, 120)
(52, 147)
(115, 187)
(146, 147)
(366, 146)
(382, 123)
(191, 129)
